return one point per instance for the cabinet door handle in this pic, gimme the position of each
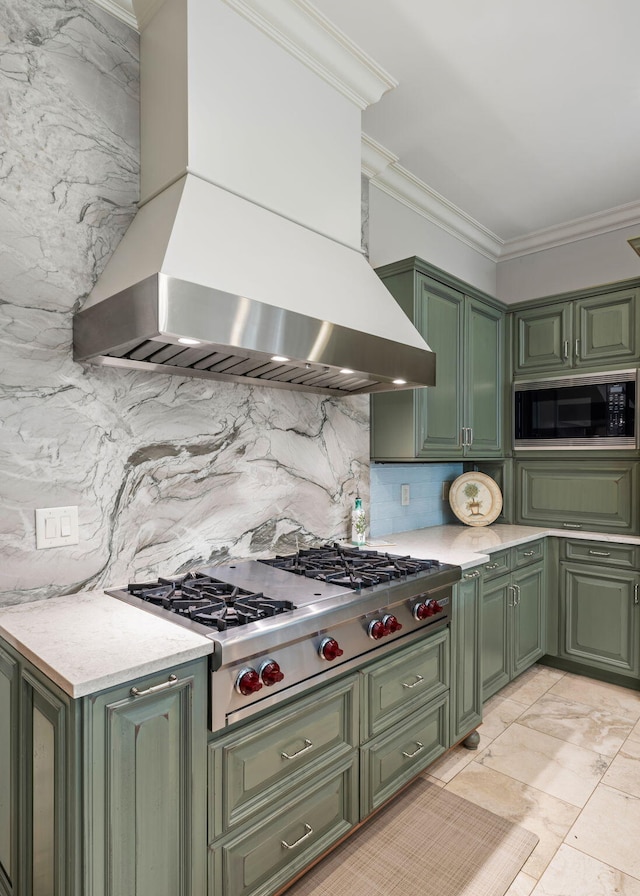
(415, 752)
(565, 350)
(518, 595)
(572, 525)
(169, 683)
(470, 436)
(309, 832)
(307, 746)
(528, 553)
(512, 589)
(600, 553)
(636, 599)
(419, 680)
(577, 349)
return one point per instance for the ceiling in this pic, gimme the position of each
(523, 115)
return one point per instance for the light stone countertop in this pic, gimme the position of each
(90, 641)
(468, 546)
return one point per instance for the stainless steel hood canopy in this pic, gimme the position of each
(209, 283)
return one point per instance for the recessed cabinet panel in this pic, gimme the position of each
(9, 696)
(528, 618)
(607, 328)
(483, 365)
(466, 684)
(543, 338)
(601, 618)
(496, 602)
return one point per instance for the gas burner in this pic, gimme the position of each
(351, 567)
(209, 601)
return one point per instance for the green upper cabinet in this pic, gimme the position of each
(601, 329)
(462, 415)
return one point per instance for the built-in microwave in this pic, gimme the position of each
(581, 411)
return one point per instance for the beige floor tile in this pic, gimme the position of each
(561, 769)
(455, 760)
(572, 873)
(536, 811)
(532, 684)
(600, 694)
(607, 829)
(578, 723)
(432, 780)
(522, 886)
(635, 733)
(498, 714)
(624, 771)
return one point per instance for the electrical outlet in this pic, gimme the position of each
(56, 526)
(446, 488)
(406, 495)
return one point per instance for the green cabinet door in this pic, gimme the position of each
(497, 601)
(599, 495)
(146, 786)
(607, 328)
(483, 360)
(9, 697)
(466, 683)
(599, 615)
(528, 618)
(543, 338)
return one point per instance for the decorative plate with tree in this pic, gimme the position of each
(475, 499)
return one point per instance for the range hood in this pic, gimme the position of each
(210, 283)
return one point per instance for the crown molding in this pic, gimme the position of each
(310, 37)
(134, 13)
(399, 183)
(616, 218)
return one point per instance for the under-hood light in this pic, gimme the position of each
(184, 340)
(346, 370)
(399, 382)
(280, 358)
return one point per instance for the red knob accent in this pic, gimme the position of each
(421, 611)
(436, 607)
(330, 649)
(248, 682)
(376, 629)
(391, 625)
(270, 673)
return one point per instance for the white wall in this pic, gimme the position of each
(396, 231)
(591, 262)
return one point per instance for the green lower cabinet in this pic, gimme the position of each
(262, 856)
(9, 699)
(600, 617)
(394, 758)
(578, 494)
(466, 684)
(513, 626)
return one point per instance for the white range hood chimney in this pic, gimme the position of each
(245, 249)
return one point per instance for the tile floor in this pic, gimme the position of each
(560, 755)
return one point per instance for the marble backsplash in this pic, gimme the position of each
(167, 472)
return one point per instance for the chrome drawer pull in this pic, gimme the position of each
(600, 553)
(572, 525)
(415, 683)
(492, 565)
(136, 692)
(307, 746)
(578, 349)
(635, 594)
(565, 350)
(309, 832)
(528, 553)
(472, 575)
(415, 752)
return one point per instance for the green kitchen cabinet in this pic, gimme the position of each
(9, 748)
(600, 612)
(596, 495)
(466, 682)
(462, 416)
(102, 795)
(513, 625)
(587, 331)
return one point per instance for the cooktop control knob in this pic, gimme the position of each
(330, 649)
(376, 629)
(421, 611)
(270, 673)
(391, 624)
(436, 606)
(248, 682)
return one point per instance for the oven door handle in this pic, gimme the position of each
(307, 746)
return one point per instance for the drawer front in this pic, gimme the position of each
(527, 553)
(402, 682)
(266, 759)
(603, 553)
(263, 857)
(392, 759)
(499, 563)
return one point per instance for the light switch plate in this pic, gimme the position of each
(56, 527)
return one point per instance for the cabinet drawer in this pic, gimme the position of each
(265, 760)
(527, 553)
(265, 855)
(499, 563)
(603, 552)
(394, 758)
(404, 681)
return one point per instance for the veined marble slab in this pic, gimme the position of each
(88, 642)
